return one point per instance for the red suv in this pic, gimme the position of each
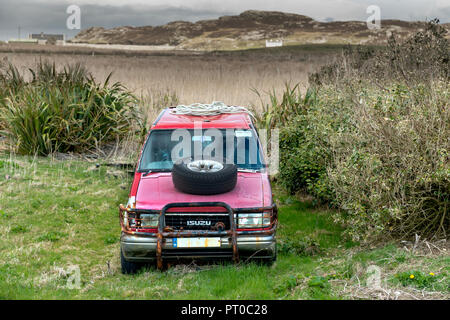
(201, 190)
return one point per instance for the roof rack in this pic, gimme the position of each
(213, 109)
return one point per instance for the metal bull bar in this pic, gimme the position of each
(162, 234)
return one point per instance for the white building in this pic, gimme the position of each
(274, 43)
(44, 38)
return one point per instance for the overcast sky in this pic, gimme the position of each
(34, 16)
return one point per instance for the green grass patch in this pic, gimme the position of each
(52, 236)
(19, 229)
(422, 280)
(56, 216)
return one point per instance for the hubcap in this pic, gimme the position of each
(205, 166)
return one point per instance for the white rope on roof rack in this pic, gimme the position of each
(202, 109)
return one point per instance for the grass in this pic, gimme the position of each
(63, 110)
(311, 48)
(57, 216)
(196, 77)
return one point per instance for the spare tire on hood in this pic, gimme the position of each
(204, 177)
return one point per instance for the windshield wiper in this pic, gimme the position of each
(248, 170)
(148, 171)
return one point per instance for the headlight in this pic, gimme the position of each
(253, 220)
(131, 202)
(125, 219)
(149, 220)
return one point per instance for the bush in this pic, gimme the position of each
(63, 111)
(10, 82)
(374, 141)
(422, 58)
(299, 166)
(382, 156)
(305, 144)
(391, 172)
(279, 113)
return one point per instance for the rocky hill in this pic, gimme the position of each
(247, 30)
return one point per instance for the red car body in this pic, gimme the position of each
(155, 193)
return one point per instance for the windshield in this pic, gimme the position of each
(238, 146)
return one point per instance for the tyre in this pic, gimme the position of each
(204, 177)
(269, 261)
(127, 266)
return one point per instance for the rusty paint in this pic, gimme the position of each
(164, 232)
(159, 262)
(219, 226)
(233, 238)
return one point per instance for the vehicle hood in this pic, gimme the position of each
(156, 190)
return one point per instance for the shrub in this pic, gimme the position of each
(46, 73)
(422, 58)
(382, 156)
(300, 162)
(299, 166)
(391, 172)
(279, 113)
(10, 82)
(374, 141)
(64, 111)
(305, 143)
(10, 78)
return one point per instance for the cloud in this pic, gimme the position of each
(50, 15)
(318, 9)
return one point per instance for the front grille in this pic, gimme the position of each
(197, 221)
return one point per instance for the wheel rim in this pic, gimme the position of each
(205, 166)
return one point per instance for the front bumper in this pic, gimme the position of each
(234, 243)
(143, 249)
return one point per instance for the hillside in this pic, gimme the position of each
(250, 29)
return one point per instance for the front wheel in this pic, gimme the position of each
(128, 267)
(270, 261)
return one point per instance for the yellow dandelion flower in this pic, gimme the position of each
(411, 276)
(431, 274)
